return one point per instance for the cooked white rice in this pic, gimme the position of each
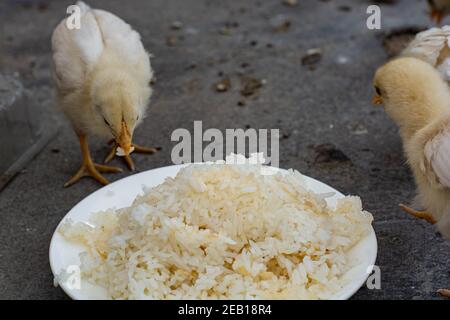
(222, 232)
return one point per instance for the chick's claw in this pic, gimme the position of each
(140, 149)
(93, 170)
(107, 169)
(111, 153)
(88, 167)
(129, 162)
(418, 214)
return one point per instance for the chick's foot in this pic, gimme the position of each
(89, 168)
(127, 158)
(444, 292)
(418, 214)
(92, 170)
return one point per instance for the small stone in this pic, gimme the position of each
(312, 57)
(241, 103)
(283, 26)
(171, 41)
(359, 129)
(176, 25)
(223, 85)
(250, 85)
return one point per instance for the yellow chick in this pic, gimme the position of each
(102, 74)
(439, 9)
(418, 101)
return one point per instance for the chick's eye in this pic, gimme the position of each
(106, 121)
(378, 91)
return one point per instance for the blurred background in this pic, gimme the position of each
(304, 67)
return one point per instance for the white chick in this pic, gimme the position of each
(438, 9)
(418, 100)
(432, 46)
(102, 75)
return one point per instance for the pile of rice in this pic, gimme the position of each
(222, 232)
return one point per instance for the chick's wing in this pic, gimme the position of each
(75, 50)
(437, 157)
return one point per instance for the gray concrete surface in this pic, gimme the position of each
(327, 105)
(23, 133)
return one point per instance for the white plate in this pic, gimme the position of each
(121, 193)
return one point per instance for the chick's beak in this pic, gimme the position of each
(377, 100)
(436, 15)
(124, 139)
